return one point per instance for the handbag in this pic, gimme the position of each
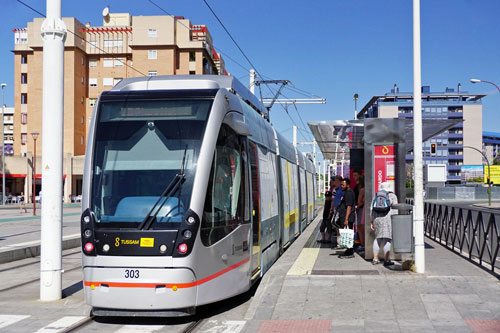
(346, 238)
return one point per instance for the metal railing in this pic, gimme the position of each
(470, 232)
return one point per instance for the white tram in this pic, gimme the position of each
(189, 195)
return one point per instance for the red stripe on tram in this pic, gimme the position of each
(167, 285)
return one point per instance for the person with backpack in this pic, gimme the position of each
(380, 222)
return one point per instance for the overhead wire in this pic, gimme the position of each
(242, 52)
(83, 39)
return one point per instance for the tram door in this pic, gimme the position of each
(254, 173)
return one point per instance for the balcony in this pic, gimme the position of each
(455, 157)
(454, 167)
(455, 136)
(455, 115)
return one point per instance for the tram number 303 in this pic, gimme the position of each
(131, 273)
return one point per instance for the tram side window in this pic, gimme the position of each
(225, 200)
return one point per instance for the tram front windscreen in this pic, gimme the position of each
(141, 144)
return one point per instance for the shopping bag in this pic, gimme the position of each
(346, 238)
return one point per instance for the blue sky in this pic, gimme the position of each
(331, 48)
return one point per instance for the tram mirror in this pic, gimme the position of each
(236, 121)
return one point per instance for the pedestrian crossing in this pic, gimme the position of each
(61, 324)
(7, 320)
(15, 322)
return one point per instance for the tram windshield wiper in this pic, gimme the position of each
(175, 184)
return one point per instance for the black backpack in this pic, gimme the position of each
(382, 203)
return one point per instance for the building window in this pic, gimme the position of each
(83, 100)
(83, 81)
(152, 33)
(117, 80)
(24, 58)
(93, 63)
(83, 60)
(92, 82)
(192, 73)
(152, 54)
(82, 120)
(21, 36)
(24, 78)
(24, 98)
(192, 56)
(24, 118)
(93, 43)
(152, 73)
(119, 62)
(107, 81)
(108, 62)
(81, 140)
(24, 138)
(92, 101)
(113, 43)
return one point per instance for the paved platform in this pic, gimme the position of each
(20, 231)
(352, 295)
(309, 289)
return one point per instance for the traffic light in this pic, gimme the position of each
(433, 149)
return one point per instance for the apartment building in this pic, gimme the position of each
(8, 130)
(491, 146)
(449, 147)
(95, 59)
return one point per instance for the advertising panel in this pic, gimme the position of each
(471, 173)
(384, 165)
(494, 174)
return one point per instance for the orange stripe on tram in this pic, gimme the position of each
(167, 285)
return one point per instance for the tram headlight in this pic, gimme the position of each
(105, 247)
(182, 248)
(86, 219)
(191, 220)
(163, 248)
(87, 233)
(187, 234)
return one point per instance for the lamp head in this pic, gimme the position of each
(4, 85)
(475, 80)
(35, 135)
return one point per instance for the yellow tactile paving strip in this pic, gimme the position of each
(305, 262)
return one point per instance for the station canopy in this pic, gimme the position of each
(335, 138)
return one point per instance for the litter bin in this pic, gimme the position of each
(402, 228)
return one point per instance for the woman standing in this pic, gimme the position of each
(380, 222)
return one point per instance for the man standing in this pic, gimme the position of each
(337, 197)
(346, 212)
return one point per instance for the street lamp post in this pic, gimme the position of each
(3, 145)
(489, 182)
(477, 81)
(35, 136)
(355, 98)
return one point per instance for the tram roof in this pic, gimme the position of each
(176, 82)
(337, 137)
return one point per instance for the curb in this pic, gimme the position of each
(32, 249)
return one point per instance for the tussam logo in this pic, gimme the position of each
(119, 241)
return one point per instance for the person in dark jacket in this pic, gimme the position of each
(326, 223)
(346, 212)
